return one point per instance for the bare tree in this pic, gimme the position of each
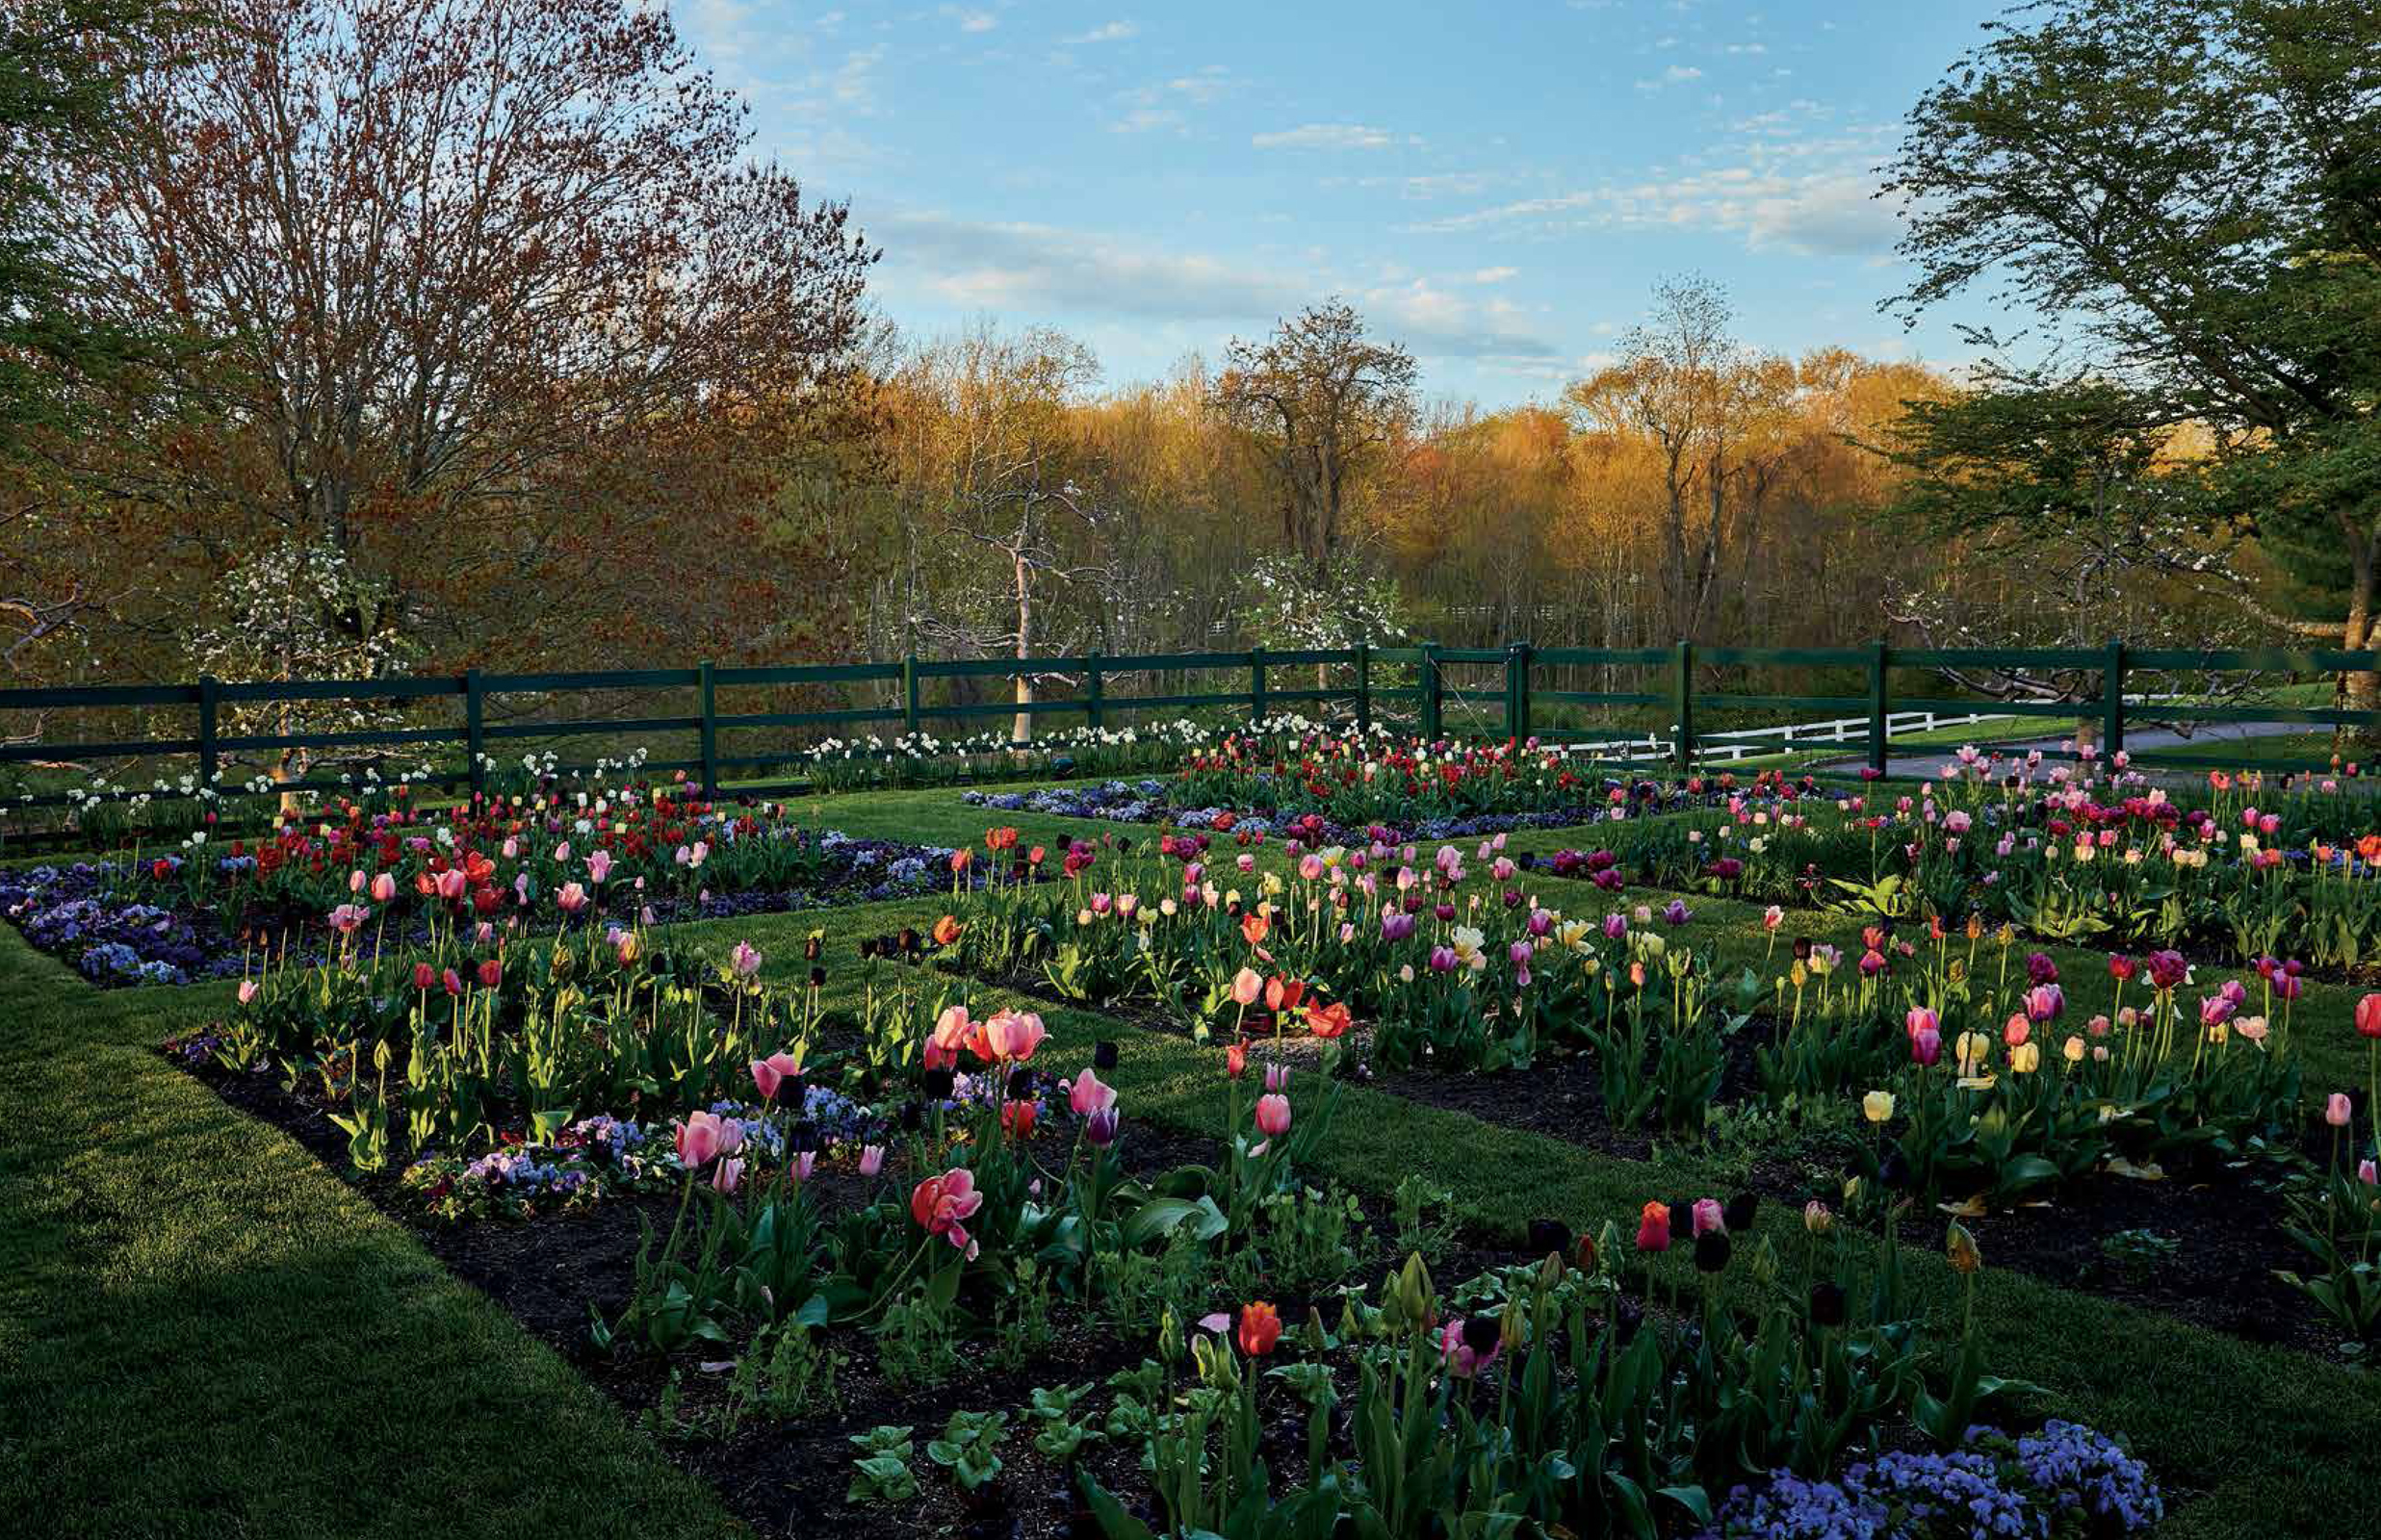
(1318, 397)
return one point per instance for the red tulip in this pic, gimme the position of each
(2369, 1016)
(1260, 1327)
(1653, 1228)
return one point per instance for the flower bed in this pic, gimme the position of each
(2244, 872)
(1945, 1066)
(401, 879)
(887, 1264)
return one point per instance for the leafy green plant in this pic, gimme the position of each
(881, 1475)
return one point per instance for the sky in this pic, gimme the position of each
(1496, 183)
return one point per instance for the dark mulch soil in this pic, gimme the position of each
(791, 1479)
(2220, 1274)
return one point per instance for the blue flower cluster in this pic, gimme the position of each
(2077, 1469)
(73, 912)
(2065, 1479)
(1129, 801)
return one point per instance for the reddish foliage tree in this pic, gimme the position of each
(491, 301)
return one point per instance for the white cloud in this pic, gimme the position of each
(1324, 136)
(1148, 108)
(972, 20)
(1496, 274)
(1675, 75)
(1113, 31)
(1036, 272)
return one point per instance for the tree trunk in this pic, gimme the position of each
(1022, 730)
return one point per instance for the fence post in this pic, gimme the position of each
(1877, 707)
(711, 730)
(1363, 689)
(1431, 688)
(1517, 692)
(209, 693)
(1256, 685)
(1682, 691)
(1095, 709)
(908, 695)
(476, 733)
(2112, 703)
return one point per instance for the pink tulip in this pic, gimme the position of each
(699, 1139)
(248, 991)
(725, 1175)
(599, 865)
(2336, 1110)
(1272, 1116)
(1014, 1035)
(1087, 1096)
(746, 959)
(1246, 986)
(572, 897)
(871, 1159)
(767, 1074)
(384, 888)
(1708, 1218)
(2368, 1173)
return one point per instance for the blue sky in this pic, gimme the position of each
(1497, 184)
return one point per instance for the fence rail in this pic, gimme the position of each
(1502, 695)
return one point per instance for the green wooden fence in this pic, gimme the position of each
(1497, 691)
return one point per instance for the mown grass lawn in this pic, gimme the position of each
(207, 1333)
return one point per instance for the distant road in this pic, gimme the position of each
(1927, 762)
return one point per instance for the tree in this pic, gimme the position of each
(1716, 417)
(1319, 399)
(2190, 190)
(993, 461)
(63, 67)
(494, 309)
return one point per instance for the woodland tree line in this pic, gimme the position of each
(349, 335)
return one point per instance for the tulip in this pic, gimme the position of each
(2368, 1173)
(744, 958)
(2369, 1016)
(1273, 1114)
(701, 1136)
(725, 1175)
(423, 977)
(940, 1203)
(1277, 1078)
(1086, 1094)
(1920, 1020)
(383, 888)
(1260, 1327)
(1329, 1021)
(1466, 1346)
(1014, 1035)
(1960, 1248)
(491, 973)
(1708, 1217)
(1927, 1048)
(1653, 1228)
(1236, 1061)
(871, 1159)
(1246, 986)
(1817, 1218)
(1877, 1106)
(248, 991)
(768, 1074)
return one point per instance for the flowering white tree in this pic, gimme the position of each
(300, 610)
